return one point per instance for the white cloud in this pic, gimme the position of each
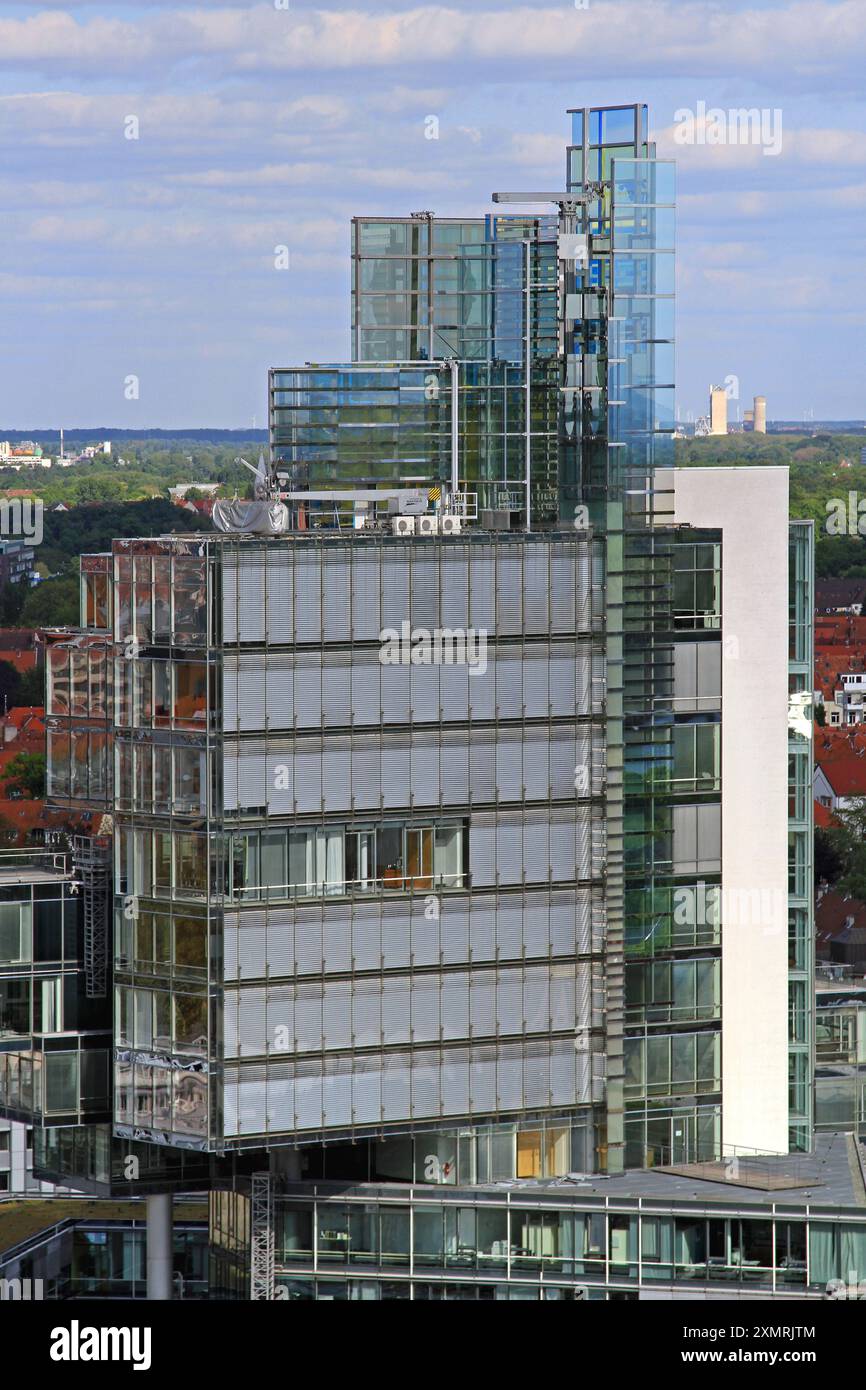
(802, 39)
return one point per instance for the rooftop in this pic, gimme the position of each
(22, 1220)
(838, 593)
(33, 866)
(832, 1177)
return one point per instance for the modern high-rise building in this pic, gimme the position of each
(760, 415)
(458, 784)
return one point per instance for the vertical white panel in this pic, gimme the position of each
(750, 505)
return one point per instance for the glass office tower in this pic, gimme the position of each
(458, 853)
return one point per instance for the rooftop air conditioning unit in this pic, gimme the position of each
(403, 525)
(427, 526)
(450, 525)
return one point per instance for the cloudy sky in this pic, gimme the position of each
(269, 124)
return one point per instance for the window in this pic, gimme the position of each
(696, 757)
(360, 860)
(682, 1064)
(673, 991)
(58, 680)
(190, 781)
(61, 1082)
(448, 856)
(49, 1006)
(95, 595)
(16, 921)
(190, 694)
(190, 600)
(14, 1008)
(697, 839)
(334, 860)
(697, 586)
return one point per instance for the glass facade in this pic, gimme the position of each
(386, 1242)
(840, 1057)
(409, 924)
(801, 916)
(54, 1040)
(85, 1252)
(447, 920)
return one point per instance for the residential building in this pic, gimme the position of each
(19, 647)
(17, 562)
(840, 596)
(840, 766)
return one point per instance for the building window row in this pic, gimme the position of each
(161, 598)
(161, 694)
(597, 1245)
(337, 860)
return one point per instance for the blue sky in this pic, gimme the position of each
(261, 126)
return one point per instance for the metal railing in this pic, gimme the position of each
(342, 888)
(44, 860)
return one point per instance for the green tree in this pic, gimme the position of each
(53, 603)
(31, 689)
(26, 773)
(847, 841)
(828, 865)
(10, 684)
(12, 598)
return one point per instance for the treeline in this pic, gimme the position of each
(825, 469)
(151, 467)
(85, 530)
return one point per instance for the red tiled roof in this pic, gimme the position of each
(836, 742)
(846, 775)
(824, 817)
(27, 722)
(17, 638)
(19, 714)
(840, 646)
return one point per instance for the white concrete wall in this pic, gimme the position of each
(750, 506)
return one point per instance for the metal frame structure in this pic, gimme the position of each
(261, 1238)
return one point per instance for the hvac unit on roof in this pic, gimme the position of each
(427, 526)
(450, 525)
(403, 525)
